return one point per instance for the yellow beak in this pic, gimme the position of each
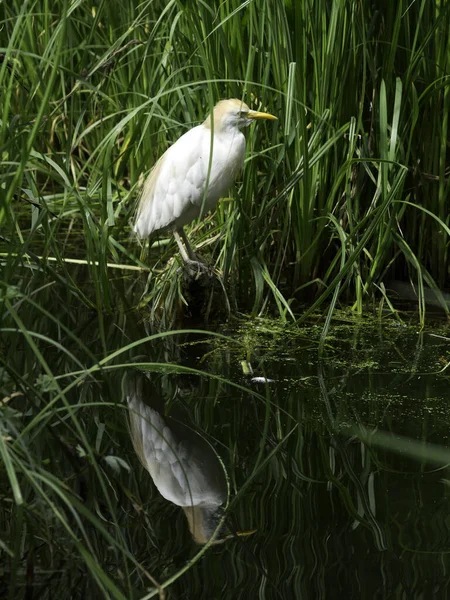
(254, 114)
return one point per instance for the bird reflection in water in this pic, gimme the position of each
(183, 465)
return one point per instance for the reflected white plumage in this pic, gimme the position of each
(183, 465)
(185, 184)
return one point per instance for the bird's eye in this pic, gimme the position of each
(243, 114)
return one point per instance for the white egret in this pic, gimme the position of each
(183, 465)
(186, 183)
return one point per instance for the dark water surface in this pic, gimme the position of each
(326, 514)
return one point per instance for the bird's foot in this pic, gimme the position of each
(196, 269)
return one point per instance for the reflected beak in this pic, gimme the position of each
(254, 114)
(230, 536)
(252, 531)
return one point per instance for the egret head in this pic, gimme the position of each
(204, 522)
(208, 520)
(233, 114)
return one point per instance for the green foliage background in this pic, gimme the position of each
(348, 189)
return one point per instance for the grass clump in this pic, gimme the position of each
(347, 191)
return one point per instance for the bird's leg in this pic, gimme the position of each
(188, 255)
(184, 255)
(190, 252)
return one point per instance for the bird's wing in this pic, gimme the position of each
(175, 184)
(156, 447)
(185, 472)
(198, 473)
(147, 191)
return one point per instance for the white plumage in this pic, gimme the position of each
(184, 184)
(180, 465)
(183, 465)
(173, 194)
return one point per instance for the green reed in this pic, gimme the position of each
(91, 96)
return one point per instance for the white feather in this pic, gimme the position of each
(178, 191)
(185, 183)
(186, 472)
